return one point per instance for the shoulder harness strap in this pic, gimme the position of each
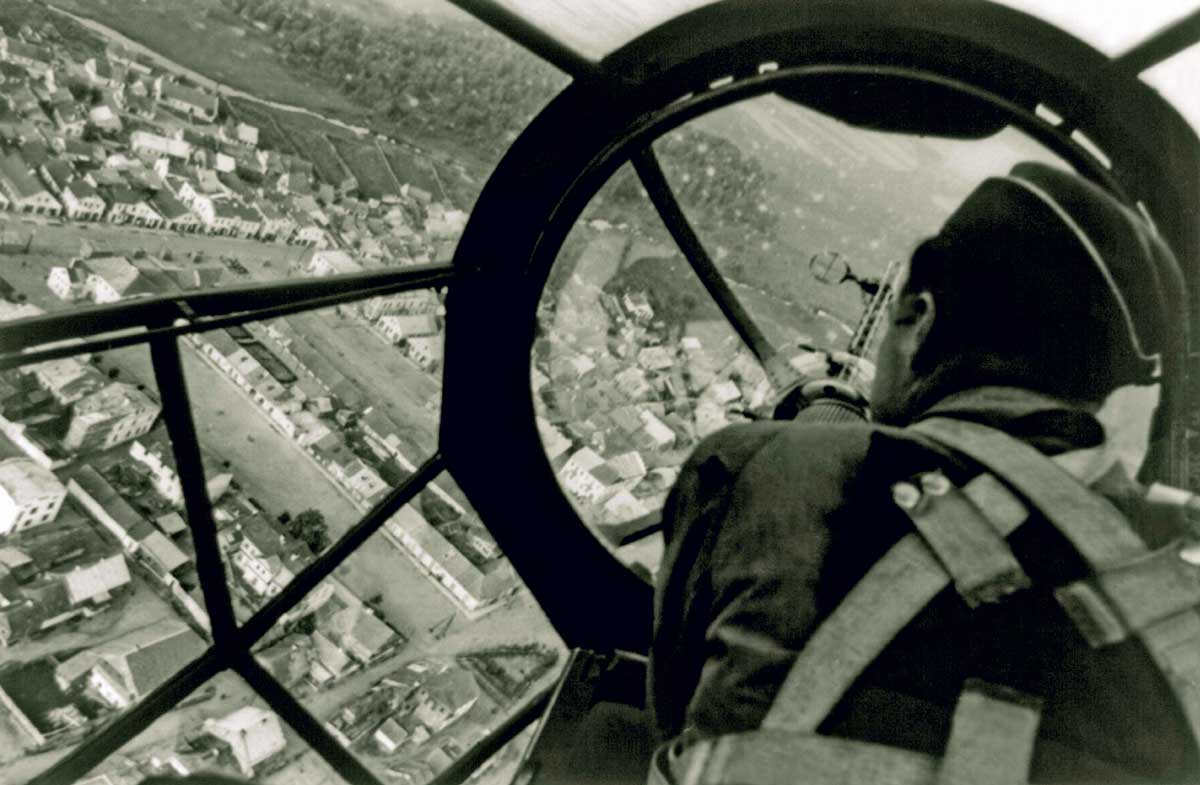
(1153, 595)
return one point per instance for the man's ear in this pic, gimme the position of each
(915, 312)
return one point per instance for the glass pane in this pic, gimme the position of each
(316, 416)
(633, 364)
(420, 644)
(99, 598)
(1176, 78)
(224, 727)
(238, 142)
(813, 219)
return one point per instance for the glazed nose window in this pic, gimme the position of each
(806, 221)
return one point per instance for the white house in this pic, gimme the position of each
(126, 205)
(29, 495)
(25, 192)
(101, 73)
(108, 277)
(82, 201)
(426, 351)
(114, 414)
(332, 262)
(266, 559)
(252, 735)
(198, 104)
(146, 143)
(400, 327)
(310, 234)
(577, 478)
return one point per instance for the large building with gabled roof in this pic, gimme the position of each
(127, 668)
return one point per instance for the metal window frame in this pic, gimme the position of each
(160, 322)
(693, 64)
(231, 643)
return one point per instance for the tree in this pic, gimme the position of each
(305, 625)
(310, 528)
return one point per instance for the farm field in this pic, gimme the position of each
(366, 162)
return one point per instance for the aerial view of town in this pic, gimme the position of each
(149, 147)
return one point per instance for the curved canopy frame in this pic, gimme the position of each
(1004, 62)
(998, 60)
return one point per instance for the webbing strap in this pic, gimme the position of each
(965, 541)
(1174, 643)
(991, 738)
(1104, 538)
(1111, 605)
(888, 597)
(1004, 510)
(765, 757)
(1094, 527)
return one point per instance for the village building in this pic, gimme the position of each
(332, 262)
(82, 201)
(126, 205)
(102, 74)
(249, 736)
(220, 216)
(114, 414)
(361, 633)
(175, 214)
(67, 283)
(129, 667)
(24, 191)
(426, 351)
(56, 173)
(473, 586)
(310, 234)
(94, 584)
(275, 224)
(357, 477)
(109, 278)
(70, 119)
(35, 59)
(154, 146)
(444, 697)
(417, 301)
(30, 495)
(196, 103)
(67, 379)
(268, 559)
(399, 327)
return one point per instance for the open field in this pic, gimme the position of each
(316, 147)
(368, 165)
(271, 135)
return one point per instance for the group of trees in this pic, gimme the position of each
(724, 192)
(431, 77)
(310, 528)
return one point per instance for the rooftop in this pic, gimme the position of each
(115, 399)
(17, 179)
(253, 735)
(188, 95)
(25, 481)
(97, 579)
(117, 271)
(142, 659)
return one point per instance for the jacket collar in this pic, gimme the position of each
(1051, 424)
(1117, 432)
